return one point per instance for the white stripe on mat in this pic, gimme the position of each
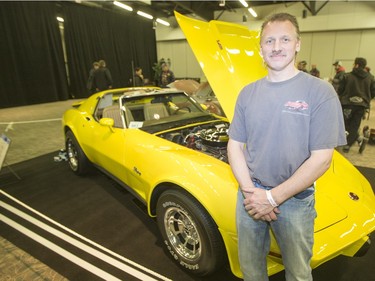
(130, 270)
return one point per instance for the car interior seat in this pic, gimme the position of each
(114, 113)
(128, 116)
(155, 111)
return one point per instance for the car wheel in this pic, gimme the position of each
(189, 233)
(77, 159)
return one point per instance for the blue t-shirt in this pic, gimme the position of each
(282, 122)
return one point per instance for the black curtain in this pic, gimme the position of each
(122, 39)
(33, 66)
(31, 54)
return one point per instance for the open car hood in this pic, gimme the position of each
(228, 55)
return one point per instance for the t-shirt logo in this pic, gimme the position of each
(296, 107)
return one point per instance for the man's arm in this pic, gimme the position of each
(313, 168)
(109, 78)
(342, 83)
(372, 89)
(240, 170)
(238, 165)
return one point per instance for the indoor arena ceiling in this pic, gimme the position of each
(203, 9)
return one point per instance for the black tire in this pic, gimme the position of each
(189, 233)
(77, 159)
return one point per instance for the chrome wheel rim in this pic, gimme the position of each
(72, 155)
(182, 233)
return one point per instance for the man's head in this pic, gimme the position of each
(302, 65)
(360, 62)
(280, 41)
(165, 67)
(101, 63)
(337, 64)
(138, 70)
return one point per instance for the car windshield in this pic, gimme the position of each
(163, 110)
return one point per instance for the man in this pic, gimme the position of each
(89, 84)
(314, 71)
(340, 73)
(356, 91)
(302, 66)
(282, 138)
(102, 77)
(166, 76)
(368, 69)
(138, 77)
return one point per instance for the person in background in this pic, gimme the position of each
(138, 77)
(314, 71)
(367, 113)
(356, 90)
(102, 77)
(368, 69)
(298, 116)
(166, 76)
(340, 73)
(302, 66)
(89, 84)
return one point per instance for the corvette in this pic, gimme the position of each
(162, 146)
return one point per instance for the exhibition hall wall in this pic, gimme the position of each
(341, 30)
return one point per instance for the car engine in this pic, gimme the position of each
(211, 139)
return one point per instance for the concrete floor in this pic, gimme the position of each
(36, 130)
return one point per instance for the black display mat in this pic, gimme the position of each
(101, 211)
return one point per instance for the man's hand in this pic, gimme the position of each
(257, 205)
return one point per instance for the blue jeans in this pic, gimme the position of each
(293, 231)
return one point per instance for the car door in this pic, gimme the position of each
(107, 139)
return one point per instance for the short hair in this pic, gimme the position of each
(337, 63)
(95, 63)
(137, 68)
(361, 62)
(282, 17)
(102, 63)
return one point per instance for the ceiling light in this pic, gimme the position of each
(143, 14)
(252, 12)
(148, 2)
(163, 22)
(244, 3)
(121, 5)
(60, 19)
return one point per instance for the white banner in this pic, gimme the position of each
(4, 146)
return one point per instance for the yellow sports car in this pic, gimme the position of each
(171, 154)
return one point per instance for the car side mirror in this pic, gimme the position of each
(109, 122)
